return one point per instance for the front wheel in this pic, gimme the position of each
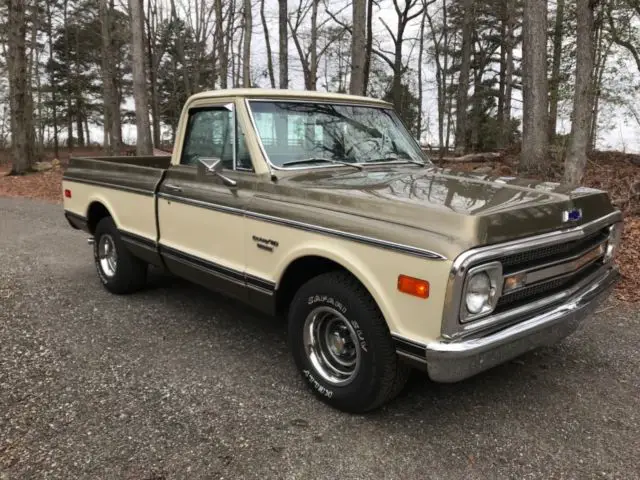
(119, 271)
(342, 346)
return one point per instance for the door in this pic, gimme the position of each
(201, 219)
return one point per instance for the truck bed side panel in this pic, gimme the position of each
(125, 190)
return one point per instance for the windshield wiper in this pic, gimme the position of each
(318, 159)
(396, 158)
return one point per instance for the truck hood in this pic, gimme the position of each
(468, 208)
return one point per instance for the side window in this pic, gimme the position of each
(211, 132)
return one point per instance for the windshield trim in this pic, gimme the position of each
(427, 161)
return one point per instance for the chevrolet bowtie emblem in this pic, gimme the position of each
(572, 215)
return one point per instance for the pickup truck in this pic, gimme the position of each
(323, 208)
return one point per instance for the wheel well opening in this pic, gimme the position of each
(299, 272)
(97, 212)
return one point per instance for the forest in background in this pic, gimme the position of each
(67, 66)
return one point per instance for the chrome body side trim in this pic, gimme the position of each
(308, 227)
(148, 193)
(350, 236)
(452, 361)
(451, 327)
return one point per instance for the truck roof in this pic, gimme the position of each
(268, 93)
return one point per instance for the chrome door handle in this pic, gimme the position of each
(172, 187)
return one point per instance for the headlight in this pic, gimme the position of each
(482, 290)
(478, 292)
(615, 235)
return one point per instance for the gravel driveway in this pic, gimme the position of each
(176, 382)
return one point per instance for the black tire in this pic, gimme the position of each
(379, 374)
(129, 273)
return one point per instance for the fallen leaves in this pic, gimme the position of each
(42, 185)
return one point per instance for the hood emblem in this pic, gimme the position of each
(572, 215)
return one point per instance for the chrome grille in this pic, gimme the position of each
(545, 256)
(551, 253)
(542, 289)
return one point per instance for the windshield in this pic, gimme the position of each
(309, 134)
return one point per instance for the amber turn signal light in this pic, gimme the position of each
(413, 286)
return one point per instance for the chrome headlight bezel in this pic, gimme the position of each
(494, 271)
(613, 243)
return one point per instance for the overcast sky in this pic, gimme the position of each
(624, 133)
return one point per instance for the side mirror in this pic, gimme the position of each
(213, 166)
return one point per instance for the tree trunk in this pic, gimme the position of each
(19, 88)
(52, 81)
(420, 54)
(68, 92)
(358, 46)
(107, 74)
(554, 83)
(476, 121)
(267, 42)
(78, 93)
(283, 45)
(79, 122)
(576, 159)
(503, 65)
(222, 51)
(87, 133)
(369, 46)
(535, 87)
(313, 67)
(463, 82)
(155, 117)
(34, 73)
(143, 143)
(246, 61)
(397, 67)
(508, 78)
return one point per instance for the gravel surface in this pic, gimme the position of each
(177, 382)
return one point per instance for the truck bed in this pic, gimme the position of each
(130, 173)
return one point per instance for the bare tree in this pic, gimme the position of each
(582, 108)
(463, 81)
(420, 86)
(283, 46)
(19, 88)
(112, 126)
(309, 53)
(267, 42)
(358, 45)
(143, 143)
(52, 80)
(220, 42)
(535, 86)
(248, 28)
(554, 83)
(440, 44)
(405, 14)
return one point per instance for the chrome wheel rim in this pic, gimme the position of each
(332, 346)
(107, 255)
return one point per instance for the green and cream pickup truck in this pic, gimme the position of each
(323, 208)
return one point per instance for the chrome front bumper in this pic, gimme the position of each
(452, 361)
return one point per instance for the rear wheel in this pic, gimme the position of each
(342, 346)
(119, 271)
